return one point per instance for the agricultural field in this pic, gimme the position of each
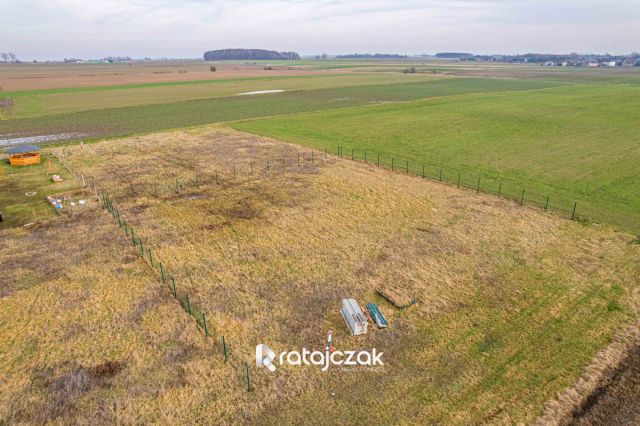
(216, 222)
(266, 238)
(153, 117)
(576, 143)
(44, 76)
(60, 101)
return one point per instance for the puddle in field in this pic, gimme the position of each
(260, 92)
(38, 139)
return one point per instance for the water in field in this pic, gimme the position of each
(6, 140)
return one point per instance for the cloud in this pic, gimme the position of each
(186, 28)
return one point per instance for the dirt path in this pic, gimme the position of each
(618, 403)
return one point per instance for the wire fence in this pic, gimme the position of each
(214, 334)
(469, 181)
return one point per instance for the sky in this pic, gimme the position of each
(55, 29)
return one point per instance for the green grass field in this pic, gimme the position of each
(15, 182)
(578, 143)
(155, 117)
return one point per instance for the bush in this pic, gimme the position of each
(212, 68)
(410, 70)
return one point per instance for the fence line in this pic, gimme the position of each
(159, 269)
(522, 196)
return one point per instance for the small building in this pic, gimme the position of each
(354, 317)
(23, 155)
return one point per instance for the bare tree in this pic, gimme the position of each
(5, 57)
(13, 57)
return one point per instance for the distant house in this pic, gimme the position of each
(593, 64)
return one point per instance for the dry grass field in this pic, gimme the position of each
(88, 336)
(512, 303)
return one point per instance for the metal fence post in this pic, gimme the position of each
(573, 214)
(224, 349)
(522, 197)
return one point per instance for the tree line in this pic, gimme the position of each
(9, 57)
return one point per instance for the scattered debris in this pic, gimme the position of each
(355, 318)
(57, 178)
(30, 193)
(396, 297)
(377, 316)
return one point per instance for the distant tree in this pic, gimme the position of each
(212, 68)
(13, 57)
(325, 56)
(5, 57)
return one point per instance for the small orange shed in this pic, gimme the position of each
(23, 155)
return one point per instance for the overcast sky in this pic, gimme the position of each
(53, 29)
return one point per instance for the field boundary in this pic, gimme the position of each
(565, 208)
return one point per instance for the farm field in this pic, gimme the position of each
(59, 101)
(513, 302)
(21, 77)
(154, 117)
(573, 144)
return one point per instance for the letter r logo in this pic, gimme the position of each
(265, 357)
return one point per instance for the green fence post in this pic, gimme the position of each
(248, 379)
(338, 151)
(150, 257)
(126, 230)
(133, 237)
(224, 349)
(458, 179)
(378, 159)
(478, 188)
(573, 214)
(365, 156)
(522, 197)
(407, 166)
(204, 322)
(422, 169)
(546, 204)
(392, 165)
(188, 303)
(177, 187)
(500, 189)
(162, 272)
(173, 284)
(141, 247)
(352, 154)
(440, 175)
